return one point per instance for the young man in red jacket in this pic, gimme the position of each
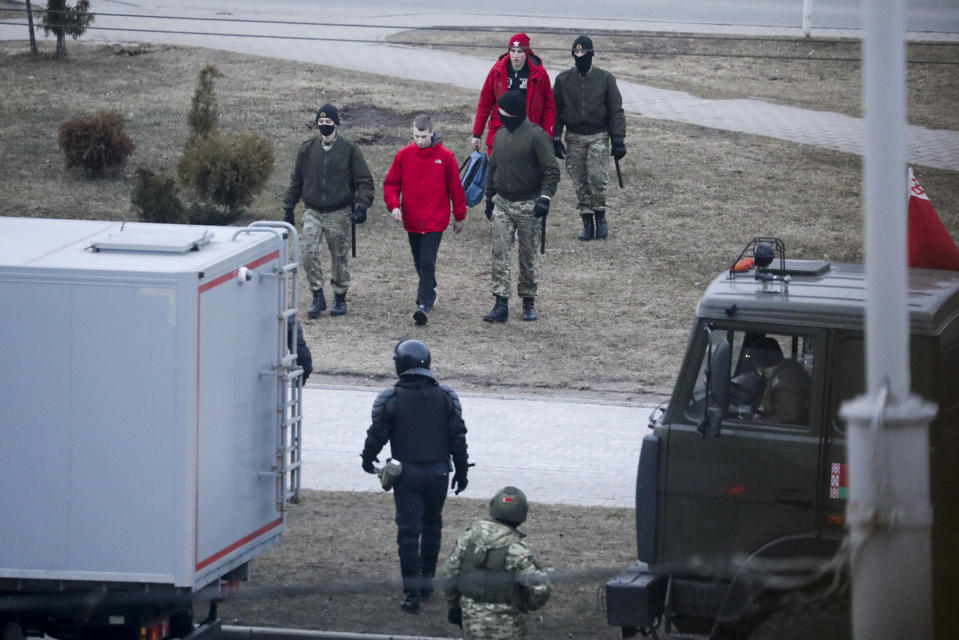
(522, 70)
(423, 181)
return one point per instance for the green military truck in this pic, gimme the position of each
(741, 490)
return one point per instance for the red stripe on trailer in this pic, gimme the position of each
(239, 543)
(196, 501)
(232, 274)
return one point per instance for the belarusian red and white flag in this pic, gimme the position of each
(930, 245)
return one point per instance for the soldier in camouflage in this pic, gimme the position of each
(492, 581)
(590, 107)
(521, 178)
(333, 180)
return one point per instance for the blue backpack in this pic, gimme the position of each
(474, 178)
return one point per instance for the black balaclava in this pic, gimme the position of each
(513, 103)
(328, 111)
(584, 62)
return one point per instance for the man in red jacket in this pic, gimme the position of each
(423, 181)
(522, 70)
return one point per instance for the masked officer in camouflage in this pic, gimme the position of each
(521, 178)
(336, 186)
(423, 422)
(590, 107)
(491, 578)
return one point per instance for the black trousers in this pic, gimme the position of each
(419, 494)
(424, 247)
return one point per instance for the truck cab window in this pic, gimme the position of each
(770, 380)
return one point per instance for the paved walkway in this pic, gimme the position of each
(556, 450)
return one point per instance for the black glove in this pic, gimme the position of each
(619, 149)
(359, 214)
(489, 209)
(459, 482)
(288, 215)
(541, 208)
(368, 463)
(455, 616)
(560, 149)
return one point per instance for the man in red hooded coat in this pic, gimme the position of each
(422, 184)
(522, 70)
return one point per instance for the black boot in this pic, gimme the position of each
(529, 312)
(429, 552)
(601, 230)
(339, 305)
(499, 312)
(419, 316)
(587, 233)
(319, 304)
(411, 603)
(426, 586)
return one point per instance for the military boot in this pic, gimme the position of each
(499, 312)
(601, 229)
(588, 230)
(339, 305)
(411, 603)
(428, 555)
(319, 304)
(529, 312)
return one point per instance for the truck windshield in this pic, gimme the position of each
(769, 381)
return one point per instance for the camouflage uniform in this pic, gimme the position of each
(510, 217)
(521, 169)
(492, 576)
(334, 226)
(587, 161)
(590, 107)
(331, 178)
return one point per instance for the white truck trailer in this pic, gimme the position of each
(149, 419)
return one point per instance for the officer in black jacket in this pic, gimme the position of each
(423, 422)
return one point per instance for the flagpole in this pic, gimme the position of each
(889, 514)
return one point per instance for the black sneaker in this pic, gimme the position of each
(419, 316)
(411, 603)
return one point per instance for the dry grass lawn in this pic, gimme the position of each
(614, 314)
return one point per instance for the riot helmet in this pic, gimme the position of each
(412, 357)
(509, 506)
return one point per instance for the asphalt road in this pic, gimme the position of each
(729, 16)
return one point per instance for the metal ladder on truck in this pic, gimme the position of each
(289, 404)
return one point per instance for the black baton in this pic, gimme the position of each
(619, 172)
(353, 236)
(542, 235)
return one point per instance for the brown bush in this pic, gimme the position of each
(96, 142)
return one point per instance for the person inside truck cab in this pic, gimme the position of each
(787, 385)
(746, 387)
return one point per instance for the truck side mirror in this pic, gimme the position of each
(717, 386)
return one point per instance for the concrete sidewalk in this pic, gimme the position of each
(557, 451)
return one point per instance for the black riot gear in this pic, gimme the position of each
(412, 357)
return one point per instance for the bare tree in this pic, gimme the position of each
(33, 37)
(65, 21)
